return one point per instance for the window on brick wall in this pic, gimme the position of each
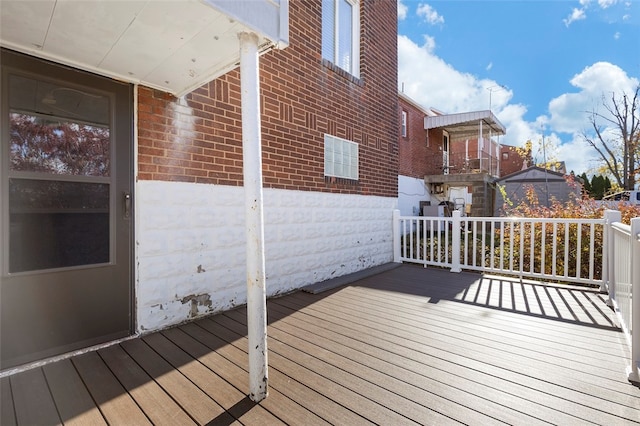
(340, 158)
(404, 124)
(341, 34)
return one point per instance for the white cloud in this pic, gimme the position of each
(578, 156)
(402, 10)
(434, 83)
(606, 3)
(429, 14)
(595, 83)
(489, 66)
(616, 36)
(576, 15)
(569, 112)
(429, 44)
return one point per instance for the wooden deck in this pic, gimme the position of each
(406, 346)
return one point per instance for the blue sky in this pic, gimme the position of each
(544, 64)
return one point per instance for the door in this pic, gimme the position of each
(66, 219)
(445, 154)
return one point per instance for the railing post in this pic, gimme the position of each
(455, 241)
(608, 283)
(396, 236)
(634, 368)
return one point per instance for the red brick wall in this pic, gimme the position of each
(198, 138)
(513, 162)
(416, 158)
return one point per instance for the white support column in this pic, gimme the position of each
(499, 157)
(634, 368)
(252, 169)
(466, 152)
(480, 146)
(490, 168)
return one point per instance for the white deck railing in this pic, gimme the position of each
(622, 280)
(601, 252)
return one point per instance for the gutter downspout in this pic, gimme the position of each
(252, 174)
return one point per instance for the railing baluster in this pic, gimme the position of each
(493, 241)
(554, 261)
(502, 244)
(466, 242)
(543, 247)
(532, 254)
(446, 241)
(511, 244)
(566, 250)
(578, 250)
(475, 241)
(592, 253)
(484, 244)
(403, 233)
(521, 260)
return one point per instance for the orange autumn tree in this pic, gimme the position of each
(575, 239)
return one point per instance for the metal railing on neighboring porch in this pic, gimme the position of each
(602, 252)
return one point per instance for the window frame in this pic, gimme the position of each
(403, 128)
(346, 160)
(333, 56)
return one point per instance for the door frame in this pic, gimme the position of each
(124, 106)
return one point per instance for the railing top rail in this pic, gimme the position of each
(621, 227)
(535, 219)
(511, 219)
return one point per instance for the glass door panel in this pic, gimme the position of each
(59, 176)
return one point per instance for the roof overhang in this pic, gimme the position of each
(466, 125)
(172, 45)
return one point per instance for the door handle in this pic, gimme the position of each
(127, 205)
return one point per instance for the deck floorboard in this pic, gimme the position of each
(409, 345)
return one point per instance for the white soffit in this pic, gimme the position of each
(466, 125)
(171, 45)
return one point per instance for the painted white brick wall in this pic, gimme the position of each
(190, 251)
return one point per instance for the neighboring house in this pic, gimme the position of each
(415, 155)
(446, 158)
(149, 231)
(513, 160)
(548, 185)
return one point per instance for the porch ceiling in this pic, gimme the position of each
(466, 125)
(174, 46)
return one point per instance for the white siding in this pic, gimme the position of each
(190, 257)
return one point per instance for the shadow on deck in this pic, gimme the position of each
(406, 346)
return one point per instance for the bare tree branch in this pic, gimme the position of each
(623, 120)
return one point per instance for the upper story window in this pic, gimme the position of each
(341, 34)
(340, 157)
(404, 124)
